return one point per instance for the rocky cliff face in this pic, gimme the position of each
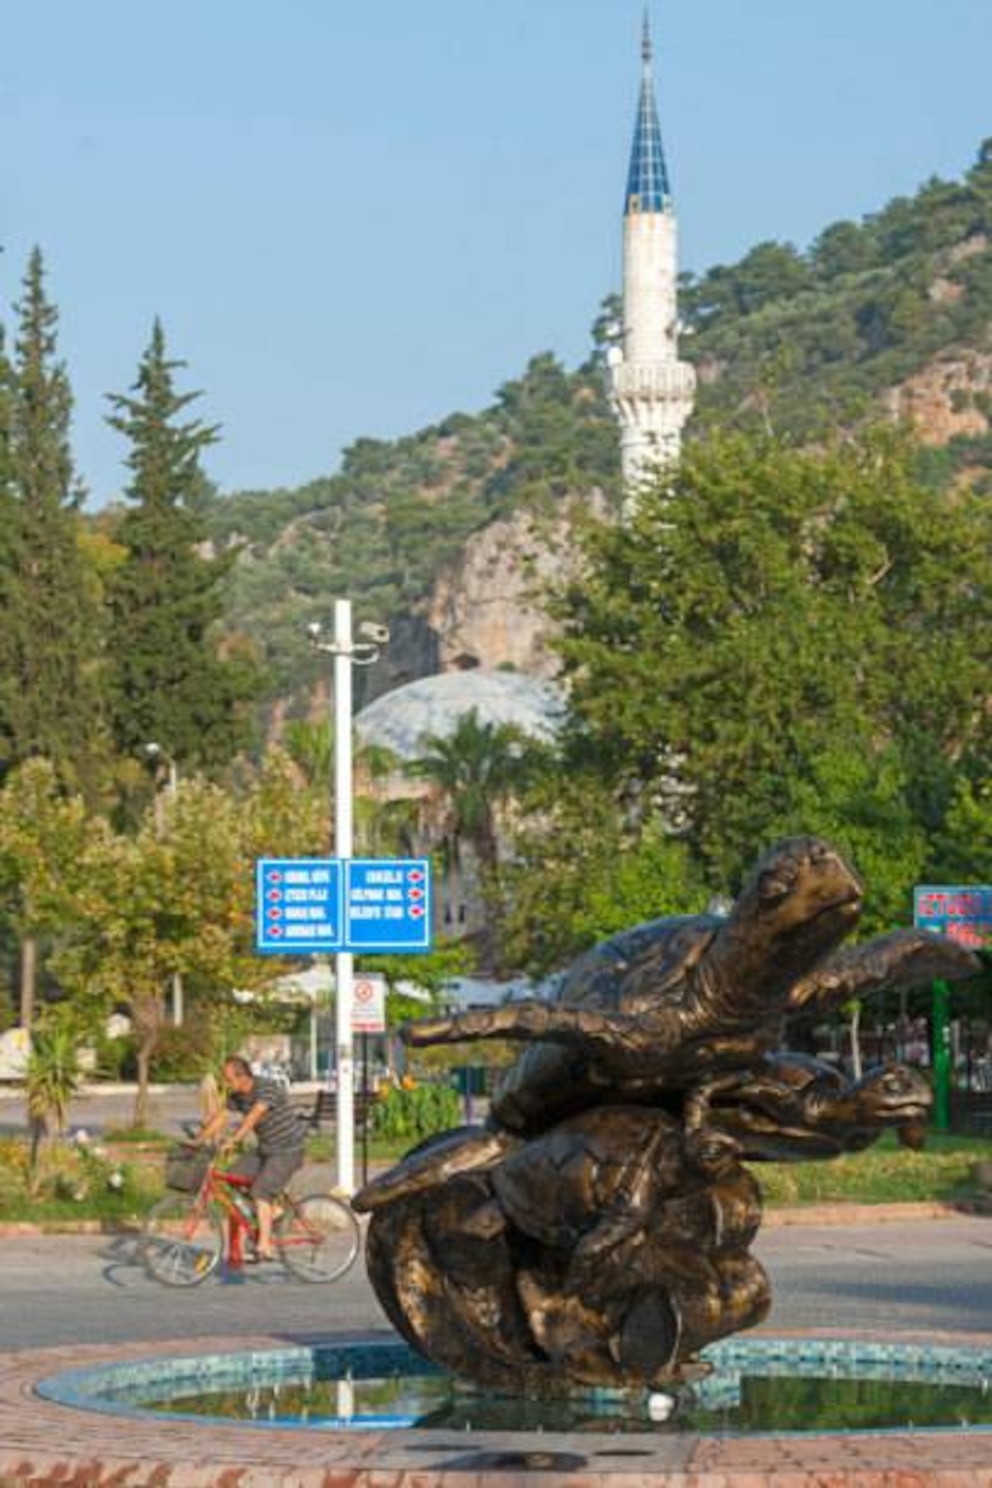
(949, 398)
(491, 610)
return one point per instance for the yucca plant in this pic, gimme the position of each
(52, 1079)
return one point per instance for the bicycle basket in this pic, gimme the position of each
(185, 1168)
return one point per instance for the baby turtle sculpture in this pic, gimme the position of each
(790, 1106)
(598, 1230)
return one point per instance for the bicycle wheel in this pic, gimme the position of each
(183, 1241)
(318, 1237)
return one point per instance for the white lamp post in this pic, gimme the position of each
(346, 653)
(158, 760)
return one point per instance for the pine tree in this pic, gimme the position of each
(6, 492)
(50, 641)
(168, 684)
(50, 636)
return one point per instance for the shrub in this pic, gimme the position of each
(415, 1114)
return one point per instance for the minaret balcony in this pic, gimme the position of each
(653, 381)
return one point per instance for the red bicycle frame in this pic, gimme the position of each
(217, 1185)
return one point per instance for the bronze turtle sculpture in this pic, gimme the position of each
(606, 1250)
(784, 1107)
(598, 1229)
(791, 1106)
(652, 1011)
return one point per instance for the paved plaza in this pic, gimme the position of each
(918, 1276)
(66, 1300)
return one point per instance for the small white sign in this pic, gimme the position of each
(15, 1051)
(368, 1004)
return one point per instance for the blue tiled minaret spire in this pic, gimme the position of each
(651, 391)
(647, 179)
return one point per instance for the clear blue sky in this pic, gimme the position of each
(355, 219)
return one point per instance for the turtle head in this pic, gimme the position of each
(893, 1095)
(799, 902)
(804, 895)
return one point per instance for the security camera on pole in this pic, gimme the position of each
(346, 653)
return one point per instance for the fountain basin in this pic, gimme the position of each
(758, 1387)
(47, 1441)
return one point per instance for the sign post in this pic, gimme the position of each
(368, 1016)
(344, 963)
(941, 1057)
(962, 912)
(343, 906)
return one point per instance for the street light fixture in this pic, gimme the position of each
(347, 652)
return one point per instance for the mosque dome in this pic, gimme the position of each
(433, 705)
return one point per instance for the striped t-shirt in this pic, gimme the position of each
(280, 1129)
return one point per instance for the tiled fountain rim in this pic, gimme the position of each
(44, 1443)
(91, 1387)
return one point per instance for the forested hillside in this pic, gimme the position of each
(807, 339)
(893, 313)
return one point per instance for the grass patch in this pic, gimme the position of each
(137, 1136)
(99, 1183)
(381, 1149)
(115, 1211)
(885, 1174)
(73, 1182)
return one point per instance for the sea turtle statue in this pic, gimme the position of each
(598, 1229)
(785, 1107)
(791, 1106)
(607, 1250)
(656, 1009)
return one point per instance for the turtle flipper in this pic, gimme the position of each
(530, 1019)
(527, 1019)
(466, 1150)
(905, 958)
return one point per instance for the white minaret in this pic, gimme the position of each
(651, 391)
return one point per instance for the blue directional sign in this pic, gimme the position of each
(387, 904)
(365, 905)
(298, 905)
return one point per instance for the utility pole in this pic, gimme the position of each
(346, 654)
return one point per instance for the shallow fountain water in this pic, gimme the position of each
(758, 1386)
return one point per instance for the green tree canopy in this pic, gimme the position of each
(169, 683)
(51, 636)
(782, 640)
(43, 835)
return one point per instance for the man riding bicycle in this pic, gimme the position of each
(265, 1109)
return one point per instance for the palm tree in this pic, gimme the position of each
(383, 824)
(311, 748)
(478, 767)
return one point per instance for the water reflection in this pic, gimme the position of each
(769, 1396)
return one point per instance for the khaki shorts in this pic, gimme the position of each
(269, 1173)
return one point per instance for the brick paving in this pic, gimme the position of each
(42, 1443)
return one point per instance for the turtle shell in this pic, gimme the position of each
(557, 1186)
(795, 1073)
(635, 972)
